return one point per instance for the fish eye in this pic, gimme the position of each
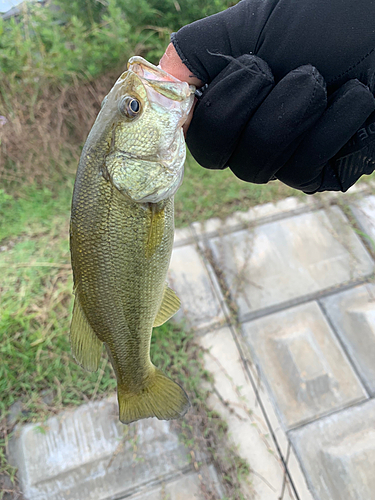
(129, 106)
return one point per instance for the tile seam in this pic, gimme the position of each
(293, 439)
(316, 205)
(354, 404)
(168, 478)
(309, 207)
(184, 243)
(344, 349)
(357, 227)
(303, 299)
(245, 225)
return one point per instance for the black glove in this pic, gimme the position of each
(288, 130)
(261, 130)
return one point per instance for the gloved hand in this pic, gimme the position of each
(280, 119)
(288, 131)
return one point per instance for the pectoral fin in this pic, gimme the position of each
(85, 345)
(169, 306)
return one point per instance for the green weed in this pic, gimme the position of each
(31, 210)
(201, 430)
(36, 303)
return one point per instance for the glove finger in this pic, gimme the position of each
(347, 110)
(292, 107)
(225, 108)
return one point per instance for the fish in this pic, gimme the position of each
(121, 236)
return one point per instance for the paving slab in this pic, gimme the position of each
(234, 398)
(183, 236)
(87, 454)
(283, 443)
(186, 487)
(337, 454)
(196, 287)
(281, 262)
(364, 212)
(352, 314)
(302, 363)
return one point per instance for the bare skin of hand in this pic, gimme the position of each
(172, 64)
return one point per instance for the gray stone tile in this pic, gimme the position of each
(86, 454)
(235, 400)
(279, 262)
(364, 212)
(352, 313)
(185, 487)
(302, 364)
(183, 236)
(244, 416)
(337, 454)
(197, 289)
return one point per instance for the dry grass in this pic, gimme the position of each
(45, 129)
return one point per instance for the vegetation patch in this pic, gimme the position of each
(202, 430)
(58, 64)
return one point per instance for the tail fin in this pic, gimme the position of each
(162, 398)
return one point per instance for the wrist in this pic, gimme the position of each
(172, 64)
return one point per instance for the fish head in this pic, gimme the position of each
(143, 115)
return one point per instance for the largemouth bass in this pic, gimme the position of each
(121, 235)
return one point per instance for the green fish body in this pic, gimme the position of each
(121, 236)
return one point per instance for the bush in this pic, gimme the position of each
(57, 65)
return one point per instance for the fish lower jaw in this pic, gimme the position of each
(164, 194)
(173, 166)
(154, 181)
(156, 195)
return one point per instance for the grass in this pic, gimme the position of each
(36, 303)
(31, 210)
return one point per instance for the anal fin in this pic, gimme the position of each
(169, 306)
(85, 345)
